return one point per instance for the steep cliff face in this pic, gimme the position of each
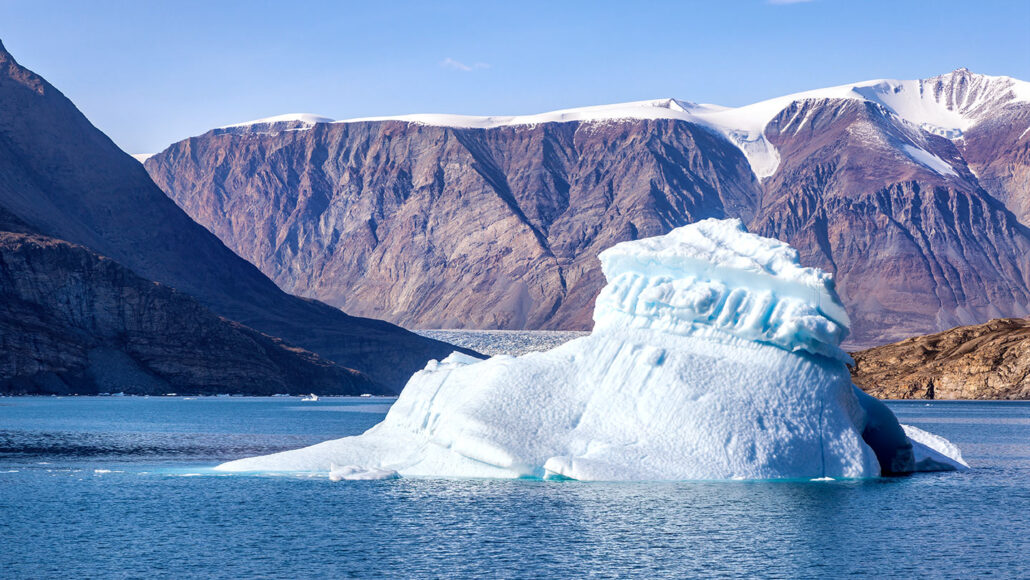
(452, 227)
(986, 361)
(74, 322)
(998, 151)
(495, 222)
(61, 177)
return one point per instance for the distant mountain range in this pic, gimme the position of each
(916, 194)
(106, 285)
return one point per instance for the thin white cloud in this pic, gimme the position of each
(782, 2)
(458, 65)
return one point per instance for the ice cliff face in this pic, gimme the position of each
(714, 355)
(714, 278)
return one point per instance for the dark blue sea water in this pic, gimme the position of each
(108, 488)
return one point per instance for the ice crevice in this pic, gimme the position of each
(714, 356)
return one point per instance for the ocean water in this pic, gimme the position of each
(120, 488)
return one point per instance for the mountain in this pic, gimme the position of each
(985, 361)
(916, 244)
(910, 192)
(63, 179)
(439, 226)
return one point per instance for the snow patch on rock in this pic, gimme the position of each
(301, 118)
(927, 159)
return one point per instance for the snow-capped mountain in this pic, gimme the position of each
(945, 105)
(899, 187)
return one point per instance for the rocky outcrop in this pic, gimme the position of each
(985, 361)
(73, 322)
(62, 178)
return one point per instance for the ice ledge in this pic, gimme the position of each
(713, 277)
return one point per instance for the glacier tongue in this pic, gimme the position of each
(714, 355)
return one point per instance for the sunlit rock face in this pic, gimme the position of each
(714, 355)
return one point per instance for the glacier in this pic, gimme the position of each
(714, 356)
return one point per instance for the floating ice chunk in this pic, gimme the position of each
(714, 355)
(354, 472)
(933, 452)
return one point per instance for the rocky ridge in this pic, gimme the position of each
(74, 322)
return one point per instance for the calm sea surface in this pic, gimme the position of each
(119, 488)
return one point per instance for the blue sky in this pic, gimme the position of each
(151, 72)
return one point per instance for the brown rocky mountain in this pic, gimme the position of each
(914, 248)
(72, 321)
(493, 222)
(62, 178)
(437, 226)
(986, 361)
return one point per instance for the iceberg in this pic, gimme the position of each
(714, 356)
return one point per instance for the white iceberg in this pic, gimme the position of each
(714, 355)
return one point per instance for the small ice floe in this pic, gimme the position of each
(822, 479)
(355, 473)
(311, 397)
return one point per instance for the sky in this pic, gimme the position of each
(153, 72)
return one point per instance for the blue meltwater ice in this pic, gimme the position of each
(714, 355)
